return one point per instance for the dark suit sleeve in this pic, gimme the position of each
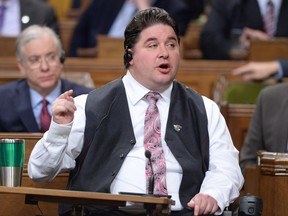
(254, 139)
(196, 8)
(96, 19)
(284, 65)
(82, 36)
(178, 10)
(52, 20)
(40, 13)
(214, 40)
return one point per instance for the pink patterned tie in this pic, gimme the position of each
(152, 143)
(45, 117)
(269, 18)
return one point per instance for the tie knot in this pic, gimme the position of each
(44, 102)
(152, 97)
(270, 3)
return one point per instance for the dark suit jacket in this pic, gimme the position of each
(284, 65)
(235, 14)
(16, 114)
(268, 128)
(99, 17)
(39, 12)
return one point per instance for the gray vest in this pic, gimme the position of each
(109, 138)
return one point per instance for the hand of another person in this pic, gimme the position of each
(249, 34)
(203, 204)
(63, 108)
(255, 71)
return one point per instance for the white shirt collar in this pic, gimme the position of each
(135, 91)
(36, 98)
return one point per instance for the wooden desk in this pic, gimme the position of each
(34, 195)
(110, 47)
(13, 201)
(273, 191)
(14, 204)
(273, 49)
(8, 46)
(273, 185)
(251, 184)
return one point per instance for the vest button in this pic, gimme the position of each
(132, 142)
(122, 156)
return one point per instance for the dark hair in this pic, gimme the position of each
(142, 20)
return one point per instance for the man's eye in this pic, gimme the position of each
(33, 60)
(152, 45)
(51, 57)
(171, 45)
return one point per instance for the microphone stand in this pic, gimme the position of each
(151, 209)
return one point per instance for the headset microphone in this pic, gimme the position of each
(151, 179)
(62, 57)
(128, 56)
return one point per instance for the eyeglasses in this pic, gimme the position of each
(52, 59)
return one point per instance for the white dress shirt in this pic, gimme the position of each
(263, 9)
(124, 16)
(57, 150)
(12, 23)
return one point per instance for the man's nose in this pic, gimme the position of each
(163, 52)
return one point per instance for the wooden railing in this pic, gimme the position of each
(238, 118)
(8, 46)
(276, 48)
(66, 28)
(197, 74)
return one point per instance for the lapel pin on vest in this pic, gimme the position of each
(177, 128)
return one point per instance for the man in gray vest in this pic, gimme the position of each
(143, 126)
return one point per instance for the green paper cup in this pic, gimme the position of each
(12, 153)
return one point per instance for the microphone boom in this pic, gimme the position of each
(151, 179)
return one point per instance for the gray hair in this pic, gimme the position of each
(34, 32)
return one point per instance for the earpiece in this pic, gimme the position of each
(62, 57)
(128, 56)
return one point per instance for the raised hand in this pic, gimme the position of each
(256, 71)
(63, 108)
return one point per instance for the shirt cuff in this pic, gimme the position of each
(279, 74)
(58, 133)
